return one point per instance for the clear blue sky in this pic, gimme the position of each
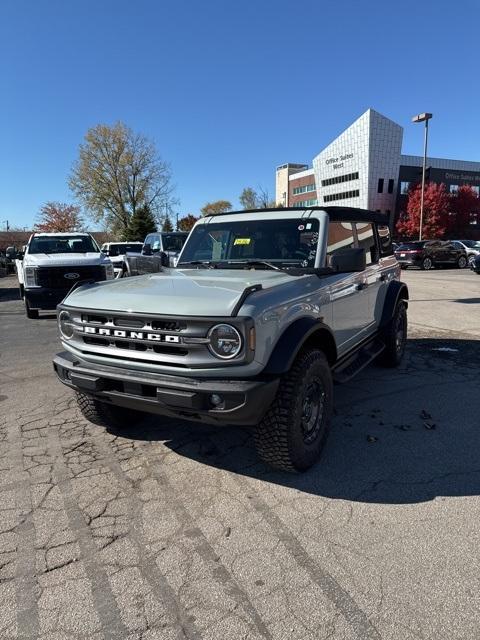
(227, 89)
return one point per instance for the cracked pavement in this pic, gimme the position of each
(175, 530)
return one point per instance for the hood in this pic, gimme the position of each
(182, 292)
(65, 259)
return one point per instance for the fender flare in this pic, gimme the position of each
(293, 339)
(396, 291)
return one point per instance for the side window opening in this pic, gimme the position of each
(366, 240)
(340, 236)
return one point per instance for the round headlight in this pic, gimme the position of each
(225, 341)
(65, 324)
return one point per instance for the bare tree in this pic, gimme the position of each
(118, 171)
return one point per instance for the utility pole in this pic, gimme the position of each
(6, 223)
(423, 117)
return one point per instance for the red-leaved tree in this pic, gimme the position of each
(463, 203)
(58, 217)
(436, 206)
(186, 223)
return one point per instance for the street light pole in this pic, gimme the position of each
(423, 117)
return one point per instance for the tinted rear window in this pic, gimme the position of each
(411, 245)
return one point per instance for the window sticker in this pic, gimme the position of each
(309, 225)
(301, 227)
(242, 241)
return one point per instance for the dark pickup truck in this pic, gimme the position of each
(159, 250)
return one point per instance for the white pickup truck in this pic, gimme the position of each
(53, 263)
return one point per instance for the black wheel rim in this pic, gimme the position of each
(427, 263)
(313, 403)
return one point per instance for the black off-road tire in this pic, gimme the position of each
(280, 438)
(395, 337)
(107, 415)
(462, 262)
(32, 314)
(427, 264)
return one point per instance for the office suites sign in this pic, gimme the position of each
(468, 178)
(338, 163)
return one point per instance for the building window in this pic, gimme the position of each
(346, 178)
(453, 188)
(390, 186)
(305, 203)
(303, 189)
(380, 185)
(404, 187)
(341, 196)
(477, 190)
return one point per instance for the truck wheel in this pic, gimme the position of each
(106, 415)
(292, 434)
(31, 313)
(395, 337)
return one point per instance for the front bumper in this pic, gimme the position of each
(45, 299)
(245, 401)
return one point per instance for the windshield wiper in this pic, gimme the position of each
(194, 263)
(256, 263)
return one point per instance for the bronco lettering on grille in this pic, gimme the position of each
(134, 335)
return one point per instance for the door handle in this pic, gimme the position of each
(362, 285)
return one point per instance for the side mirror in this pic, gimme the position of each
(147, 249)
(11, 253)
(349, 260)
(164, 259)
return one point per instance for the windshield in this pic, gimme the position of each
(471, 244)
(173, 242)
(277, 241)
(121, 249)
(63, 244)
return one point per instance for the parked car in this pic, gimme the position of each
(475, 264)
(160, 249)
(472, 247)
(3, 265)
(116, 252)
(264, 310)
(427, 254)
(53, 263)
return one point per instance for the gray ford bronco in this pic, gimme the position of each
(265, 310)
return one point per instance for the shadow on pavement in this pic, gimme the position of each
(9, 294)
(407, 461)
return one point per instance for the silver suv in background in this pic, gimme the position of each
(472, 248)
(116, 252)
(264, 310)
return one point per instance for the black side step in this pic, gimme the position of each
(346, 369)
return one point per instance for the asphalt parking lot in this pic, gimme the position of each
(174, 530)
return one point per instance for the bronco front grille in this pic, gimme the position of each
(162, 341)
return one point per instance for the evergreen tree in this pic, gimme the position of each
(167, 224)
(141, 224)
